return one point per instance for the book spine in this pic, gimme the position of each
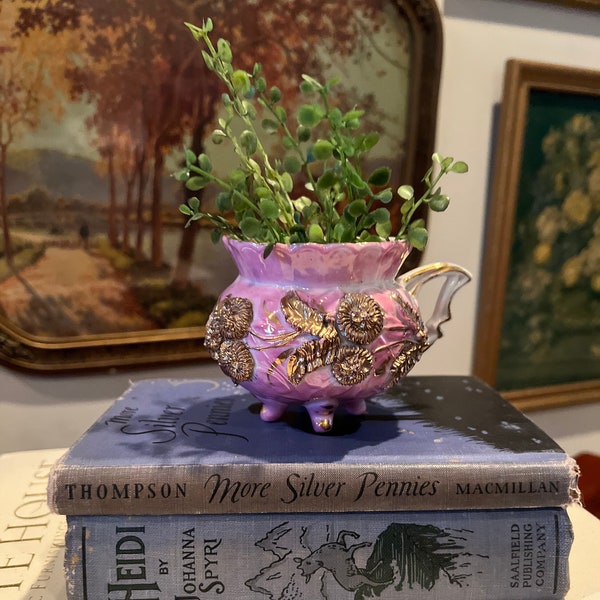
(31, 537)
(499, 555)
(265, 488)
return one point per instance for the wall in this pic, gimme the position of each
(480, 35)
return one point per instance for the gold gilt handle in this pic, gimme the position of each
(454, 278)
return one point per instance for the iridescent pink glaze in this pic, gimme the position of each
(329, 325)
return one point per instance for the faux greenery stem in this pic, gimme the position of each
(326, 148)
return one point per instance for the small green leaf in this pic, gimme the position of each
(241, 82)
(315, 234)
(315, 86)
(249, 109)
(196, 183)
(306, 88)
(380, 176)
(370, 140)
(270, 126)
(292, 165)
(446, 162)
(406, 207)
(260, 84)
(328, 179)
(250, 227)
(268, 209)
(406, 192)
(181, 175)
(357, 208)
(190, 157)
(367, 222)
(186, 210)
(354, 114)
(354, 177)
(344, 231)
(275, 94)
(303, 134)
(380, 215)
(226, 100)
(309, 115)
(439, 203)
(223, 202)
(237, 177)
(331, 82)
(336, 118)
(204, 162)
(209, 61)
(322, 149)
(417, 237)
(384, 229)
(194, 203)
(249, 141)
(385, 196)
(460, 167)
(262, 192)
(287, 182)
(281, 114)
(224, 50)
(218, 136)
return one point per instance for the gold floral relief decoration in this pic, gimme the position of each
(340, 339)
(227, 325)
(339, 342)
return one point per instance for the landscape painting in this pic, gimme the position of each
(98, 102)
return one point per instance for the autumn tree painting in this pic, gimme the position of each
(99, 99)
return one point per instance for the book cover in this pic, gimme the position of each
(199, 446)
(32, 539)
(443, 555)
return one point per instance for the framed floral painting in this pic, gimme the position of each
(538, 333)
(98, 101)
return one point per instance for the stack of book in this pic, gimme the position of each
(442, 490)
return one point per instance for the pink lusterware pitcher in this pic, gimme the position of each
(324, 325)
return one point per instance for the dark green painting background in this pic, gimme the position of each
(550, 332)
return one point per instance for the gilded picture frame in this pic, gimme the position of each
(96, 267)
(580, 4)
(538, 325)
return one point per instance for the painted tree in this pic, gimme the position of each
(29, 85)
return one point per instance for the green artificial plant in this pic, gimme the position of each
(324, 148)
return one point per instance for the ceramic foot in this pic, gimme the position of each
(271, 410)
(321, 414)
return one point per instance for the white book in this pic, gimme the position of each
(32, 538)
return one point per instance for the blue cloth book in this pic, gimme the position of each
(442, 555)
(199, 446)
